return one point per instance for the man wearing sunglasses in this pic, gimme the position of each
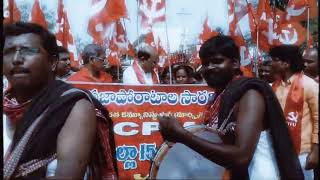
(93, 70)
(142, 71)
(51, 129)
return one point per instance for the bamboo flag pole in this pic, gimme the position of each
(168, 44)
(257, 52)
(126, 35)
(138, 34)
(255, 59)
(308, 24)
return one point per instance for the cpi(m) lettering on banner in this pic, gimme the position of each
(134, 111)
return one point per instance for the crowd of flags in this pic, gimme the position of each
(268, 25)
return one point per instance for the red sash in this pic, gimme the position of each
(293, 109)
(13, 109)
(139, 73)
(212, 113)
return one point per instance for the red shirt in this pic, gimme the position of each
(84, 75)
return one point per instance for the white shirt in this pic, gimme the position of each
(5, 83)
(130, 77)
(6, 137)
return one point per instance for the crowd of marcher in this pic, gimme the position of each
(51, 129)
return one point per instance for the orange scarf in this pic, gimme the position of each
(293, 109)
(139, 74)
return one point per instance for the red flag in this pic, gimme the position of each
(151, 12)
(161, 51)
(121, 40)
(162, 54)
(11, 12)
(119, 45)
(103, 13)
(240, 10)
(266, 25)
(195, 61)
(207, 32)
(264, 13)
(231, 17)
(297, 10)
(291, 33)
(245, 57)
(64, 35)
(37, 15)
(113, 55)
(149, 39)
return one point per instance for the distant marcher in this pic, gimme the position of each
(63, 70)
(165, 76)
(142, 71)
(183, 74)
(94, 60)
(310, 57)
(298, 96)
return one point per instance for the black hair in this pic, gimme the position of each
(290, 54)
(189, 70)
(62, 49)
(165, 71)
(89, 51)
(143, 56)
(48, 39)
(221, 44)
(274, 121)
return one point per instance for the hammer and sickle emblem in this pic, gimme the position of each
(291, 11)
(293, 116)
(285, 36)
(6, 14)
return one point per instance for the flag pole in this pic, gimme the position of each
(126, 35)
(168, 44)
(138, 34)
(10, 5)
(308, 24)
(255, 59)
(257, 53)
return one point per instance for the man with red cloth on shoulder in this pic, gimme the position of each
(142, 71)
(298, 95)
(94, 60)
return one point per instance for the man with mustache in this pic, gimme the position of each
(256, 141)
(63, 70)
(51, 129)
(298, 96)
(93, 70)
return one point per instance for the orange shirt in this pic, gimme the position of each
(310, 121)
(85, 76)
